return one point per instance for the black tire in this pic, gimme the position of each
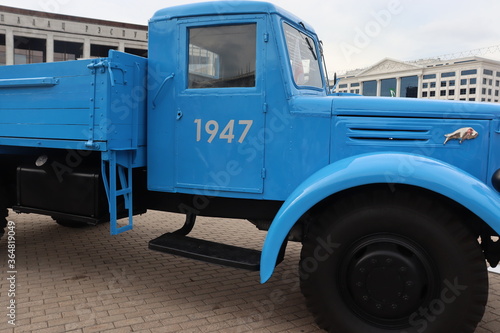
(3, 221)
(3, 209)
(71, 223)
(393, 262)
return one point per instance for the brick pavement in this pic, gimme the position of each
(84, 280)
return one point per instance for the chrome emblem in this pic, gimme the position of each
(465, 133)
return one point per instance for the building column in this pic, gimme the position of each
(379, 87)
(121, 46)
(86, 48)
(49, 46)
(419, 85)
(398, 87)
(479, 85)
(9, 47)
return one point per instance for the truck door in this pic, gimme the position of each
(220, 106)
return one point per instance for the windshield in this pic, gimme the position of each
(303, 58)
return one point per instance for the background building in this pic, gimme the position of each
(28, 36)
(465, 79)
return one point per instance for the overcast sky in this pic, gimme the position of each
(356, 33)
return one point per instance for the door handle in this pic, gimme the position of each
(171, 76)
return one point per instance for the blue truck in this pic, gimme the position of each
(395, 201)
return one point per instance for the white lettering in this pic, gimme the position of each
(212, 129)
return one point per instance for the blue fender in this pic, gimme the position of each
(374, 168)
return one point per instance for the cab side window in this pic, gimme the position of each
(222, 56)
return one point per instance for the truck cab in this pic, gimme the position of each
(226, 107)
(395, 201)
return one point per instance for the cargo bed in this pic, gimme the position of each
(97, 104)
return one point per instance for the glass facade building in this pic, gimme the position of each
(28, 36)
(467, 79)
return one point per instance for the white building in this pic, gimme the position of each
(465, 79)
(28, 36)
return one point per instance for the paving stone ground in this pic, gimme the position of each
(84, 280)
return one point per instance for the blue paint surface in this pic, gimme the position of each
(278, 139)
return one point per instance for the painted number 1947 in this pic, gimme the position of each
(212, 127)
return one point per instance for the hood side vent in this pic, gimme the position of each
(388, 134)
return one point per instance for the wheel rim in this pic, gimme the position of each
(387, 278)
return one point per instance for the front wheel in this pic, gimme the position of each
(393, 262)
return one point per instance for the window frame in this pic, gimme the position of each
(466, 72)
(183, 51)
(369, 82)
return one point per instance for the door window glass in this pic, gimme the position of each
(222, 56)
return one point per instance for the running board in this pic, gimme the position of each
(212, 252)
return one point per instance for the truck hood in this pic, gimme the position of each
(430, 128)
(412, 108)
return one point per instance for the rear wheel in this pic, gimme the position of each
(70, 223)
(393, 262)
(3, 209)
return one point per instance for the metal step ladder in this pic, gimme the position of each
(117, 178)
